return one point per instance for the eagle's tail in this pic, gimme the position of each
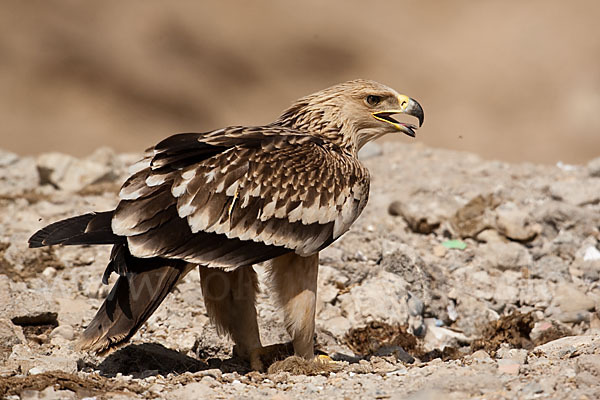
(92, 228)
(134, 297)
(142, 285)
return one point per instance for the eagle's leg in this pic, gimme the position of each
(294, 280)
(230, 298)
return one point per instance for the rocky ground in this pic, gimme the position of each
(463, 278)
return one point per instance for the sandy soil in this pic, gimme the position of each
(462, 279)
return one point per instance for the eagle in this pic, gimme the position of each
(227, 199)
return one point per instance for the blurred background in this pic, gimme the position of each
(510, 80)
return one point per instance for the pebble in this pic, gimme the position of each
(49, 272)
(463, 289)
(381, 298)
(508, 366)
(571, 299)
(418, 218)
(64, 331)
(481, 355)
(515, 223)
(566, 346)
(69, 173)
(440, 251)
(25, 306)
(576, 192)
(213, 372)
(505, 256)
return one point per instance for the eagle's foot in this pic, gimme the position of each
(324, 359)
(267, 355)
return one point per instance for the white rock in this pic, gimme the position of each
(7, 158)
(515, 223)
(591, 254)
(564, 347)
(69, 173)
(63, 331)
(337, 326)
(577, 192)
(18, 176)
(570, 298)
(438, 337)
(35, 371)
(10, 335)
(49, 272)
(381, 298)
(505, 256)
(23, 305)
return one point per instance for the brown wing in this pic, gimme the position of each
(239, 196)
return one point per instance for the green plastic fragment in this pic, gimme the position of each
(454, 244)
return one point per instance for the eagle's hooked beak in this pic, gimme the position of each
(407, 106)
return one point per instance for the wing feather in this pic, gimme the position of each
(240, 195)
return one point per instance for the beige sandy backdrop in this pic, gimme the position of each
(510, 80)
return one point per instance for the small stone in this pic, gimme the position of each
(7, 158)
(330, 255)
(69, 173)
(327, 293)
(381, 364)
(63, 331)
(532, 388)
(418, 219)
(439, 251)
(156, 388)
(35, 371)
(517, 355)
(337, 326)
(381, 298)
(25, 306)
(10, 335)
(505, 256)
(566, 346)
(49, 272)
(591, 254)
(489, 235)
(438, 337)
(515, 223)
(481, 355)
(415, 305)
(577, 192)
(508, 366)
(19, 176)
(571, 299)
(214, 372)
(475, 216)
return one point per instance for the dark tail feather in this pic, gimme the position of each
(92, 228)
(132, 300)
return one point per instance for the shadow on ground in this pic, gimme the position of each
(142, 360)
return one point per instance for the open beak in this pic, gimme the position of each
(407, 106)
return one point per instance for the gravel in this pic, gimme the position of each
(463, 278)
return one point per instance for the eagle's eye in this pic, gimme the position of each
(373, 100)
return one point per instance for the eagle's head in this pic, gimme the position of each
(353, 113)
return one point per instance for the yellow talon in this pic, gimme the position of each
(325, 359)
